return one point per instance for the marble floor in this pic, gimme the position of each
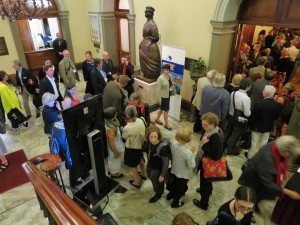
(19, 206)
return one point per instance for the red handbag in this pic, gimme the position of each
(214, 169)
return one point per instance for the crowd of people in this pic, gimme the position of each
(255, 102)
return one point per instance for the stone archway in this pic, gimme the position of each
(223, 22)
(108, 24)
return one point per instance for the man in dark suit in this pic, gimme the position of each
(108, 67)
(258, 86)
(28, 84)
(264, 113)
(59, 45)
(48, 84)
(254, 54)
(98, 77)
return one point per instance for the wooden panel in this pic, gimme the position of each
(24, 30)
(292, 15)
(270, 12)
(35, 59)
(266, 10)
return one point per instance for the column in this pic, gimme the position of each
(18, 42)
(221, 43)
(109, 34)
(131, 18)
(63, 17)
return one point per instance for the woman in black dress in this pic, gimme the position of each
(87, 67)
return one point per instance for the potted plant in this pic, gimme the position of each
(198, 69)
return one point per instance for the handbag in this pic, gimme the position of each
(2, 128)
(214, 169)
(238, 116)
(169, 177)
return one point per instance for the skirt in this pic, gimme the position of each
(132, 157)
(165, 104)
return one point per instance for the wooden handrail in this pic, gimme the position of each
(63, 209)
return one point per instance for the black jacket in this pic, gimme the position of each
(260, 174)
(97, 81)
(46, 86)
(109, 69)
(263, 115)
(60, 48)
(26, 76)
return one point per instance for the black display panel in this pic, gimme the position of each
(79, 121)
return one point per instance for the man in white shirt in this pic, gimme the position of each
(293, 51)
(242, 103)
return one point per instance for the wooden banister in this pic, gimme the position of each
(61, 207)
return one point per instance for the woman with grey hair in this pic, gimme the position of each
(51, 111)
(216, 99)
(134, 134)
(197, 100)
(267, 171)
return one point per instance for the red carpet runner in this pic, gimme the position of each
(14, 175)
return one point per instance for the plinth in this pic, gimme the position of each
(147, 91)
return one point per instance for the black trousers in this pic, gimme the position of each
(232, 135)
(158, 187)
(206, 189)
(177, 189)
(197, 125)
(2, 113)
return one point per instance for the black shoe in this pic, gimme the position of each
(38, 115)
(25, 124)
(76, 183)
(177, 205)
(169, 196)
(116, 177)
(132, 183)
(154, 198)
(143, 178)
(199, 204)
(86, 175)
(232, 153)
(28, 117)
(198, 190)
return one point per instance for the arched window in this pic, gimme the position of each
(121, 12)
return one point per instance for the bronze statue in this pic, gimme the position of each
(149, 52)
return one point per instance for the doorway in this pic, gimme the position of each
(122, 26)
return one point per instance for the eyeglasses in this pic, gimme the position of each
(243, 208)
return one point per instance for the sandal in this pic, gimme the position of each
(143, 178)
(168, 128)
(158, 122)
(132, 183)
(121, 175)
(5, 164)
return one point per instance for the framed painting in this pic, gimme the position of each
(3, 47)
(94, 27)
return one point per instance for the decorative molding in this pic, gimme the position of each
(131, 18)
(222, 28)
(63, 14)
(220, 10)
(107, 16)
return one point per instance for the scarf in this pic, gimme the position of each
(281, 169)
(113, 123)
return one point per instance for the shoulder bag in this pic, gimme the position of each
(238, 116)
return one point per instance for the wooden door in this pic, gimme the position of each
(248, 33)
(122, 35)
(24, 30)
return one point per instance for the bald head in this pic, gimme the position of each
(66, 54)
(105, 56)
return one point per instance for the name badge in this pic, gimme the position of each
(74, 71)
(24, 77)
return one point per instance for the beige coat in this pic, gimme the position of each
(259, 69)
(163, 88)
(201, 84)
(67, 75)
(134, 134)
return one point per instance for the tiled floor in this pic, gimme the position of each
(20, 206)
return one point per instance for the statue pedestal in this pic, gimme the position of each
(148, 92)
